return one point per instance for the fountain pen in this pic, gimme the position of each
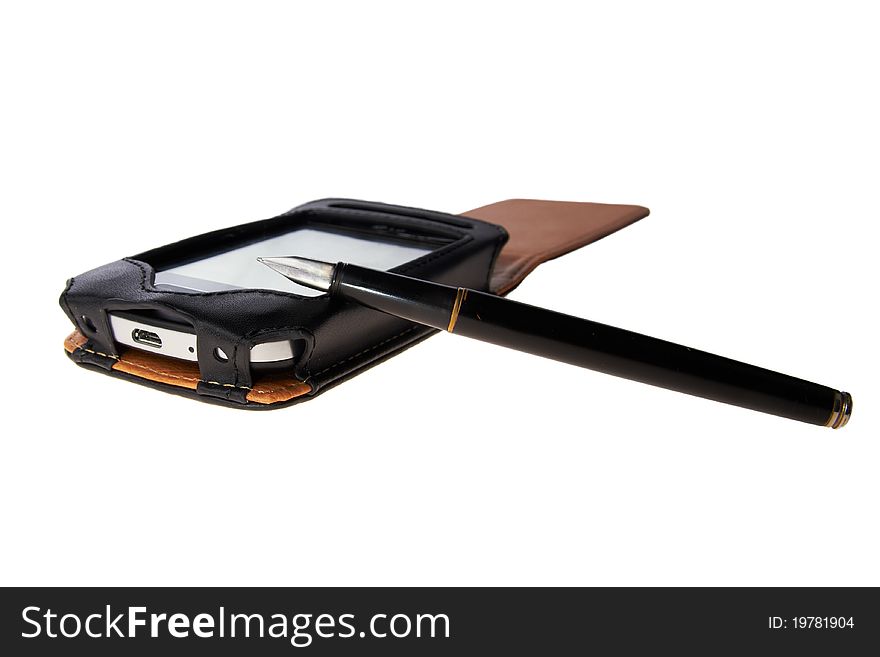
(573, 340)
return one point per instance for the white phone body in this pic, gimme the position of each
(180, 344)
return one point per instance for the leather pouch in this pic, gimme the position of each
(491, 248)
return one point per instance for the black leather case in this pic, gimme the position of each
(333, 339)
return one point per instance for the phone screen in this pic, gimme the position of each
(238, 268)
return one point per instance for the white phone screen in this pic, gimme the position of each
(238, 268)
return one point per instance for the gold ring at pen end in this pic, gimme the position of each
(843, 404)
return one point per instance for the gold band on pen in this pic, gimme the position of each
(460, 296)
(841, 411)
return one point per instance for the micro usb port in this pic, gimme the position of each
(147, 337)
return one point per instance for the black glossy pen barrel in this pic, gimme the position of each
(410, 298)
(642, 358)
(594, 346)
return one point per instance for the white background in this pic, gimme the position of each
(750, 132)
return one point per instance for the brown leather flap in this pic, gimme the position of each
(543, 230)
(539, 231)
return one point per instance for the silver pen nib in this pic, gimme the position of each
(311, 273)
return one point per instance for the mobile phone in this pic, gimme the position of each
(238, 268)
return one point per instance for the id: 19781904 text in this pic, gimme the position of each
(811, 623)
